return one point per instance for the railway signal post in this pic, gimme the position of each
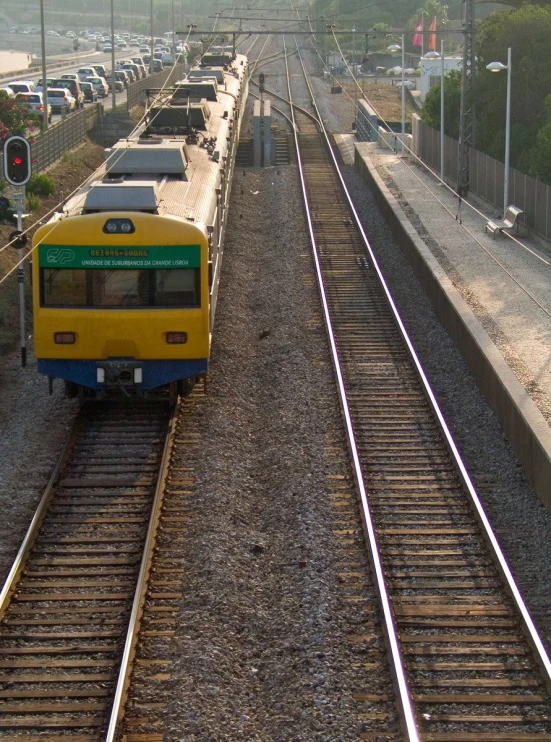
(17, 172)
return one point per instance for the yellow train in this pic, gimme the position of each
(125, 279)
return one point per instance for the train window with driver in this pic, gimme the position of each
(64, 287)
(177, 287)
(103, 288)
(119, 288)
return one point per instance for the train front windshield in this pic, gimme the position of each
(77, 287)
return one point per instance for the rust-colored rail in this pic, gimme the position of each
(64, 624)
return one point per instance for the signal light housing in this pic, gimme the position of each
(17, 160)
(261, 80)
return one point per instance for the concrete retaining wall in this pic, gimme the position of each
(111, 127)
(524, 426)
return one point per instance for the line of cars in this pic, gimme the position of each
(69, 91)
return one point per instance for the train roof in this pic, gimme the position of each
(172, 166)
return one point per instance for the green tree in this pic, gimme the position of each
(540, 166)
(16, 118)
(527, 31)
(452, 99)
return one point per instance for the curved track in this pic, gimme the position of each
(467, 661)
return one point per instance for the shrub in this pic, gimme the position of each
(33, 202)
(40, 185)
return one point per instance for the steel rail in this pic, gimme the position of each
(119, 698)
(529, 628)
(38, 517)
(397, 662)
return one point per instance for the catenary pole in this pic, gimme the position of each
(44, 85)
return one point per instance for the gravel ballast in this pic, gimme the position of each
(260, 650)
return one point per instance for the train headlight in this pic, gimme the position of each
(64, 338)
(119, 226)
(176, 338)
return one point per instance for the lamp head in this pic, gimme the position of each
(496, 67)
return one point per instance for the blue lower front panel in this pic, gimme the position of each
(154, 373)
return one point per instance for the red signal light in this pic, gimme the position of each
(17, 160)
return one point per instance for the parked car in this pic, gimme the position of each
(123, 77)
(139, 71)
(130, 72)
(22, 86)
(36, 102)
(73, 86)
(100, 70)
(61, 100)
(100, 84)
(119, 86)
(90, 93)
(85, 72)
(138, 61)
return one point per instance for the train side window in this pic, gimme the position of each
(63, 287)
(177, 287)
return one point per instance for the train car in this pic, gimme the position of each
(125, 279)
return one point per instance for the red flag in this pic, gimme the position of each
(432, 37)
(418, 38)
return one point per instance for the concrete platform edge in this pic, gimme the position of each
(523, 424)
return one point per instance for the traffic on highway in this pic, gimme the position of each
(70, 87)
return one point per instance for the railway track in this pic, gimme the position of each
(468, 663)
(71, 605)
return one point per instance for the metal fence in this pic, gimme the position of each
(486, 179)
(58, 139)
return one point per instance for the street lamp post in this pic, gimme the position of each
(403, 89)
(152, 38)
(396, 48)
(114, 76)
(433, 56)
(44, 85)
(497, 67)
(173, 35)
(442, 110)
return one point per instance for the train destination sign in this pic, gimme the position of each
(132, 256)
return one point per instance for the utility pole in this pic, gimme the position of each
(173, 35)
(467, 111)
(152, 38)
(113, 74)
(44, 86)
